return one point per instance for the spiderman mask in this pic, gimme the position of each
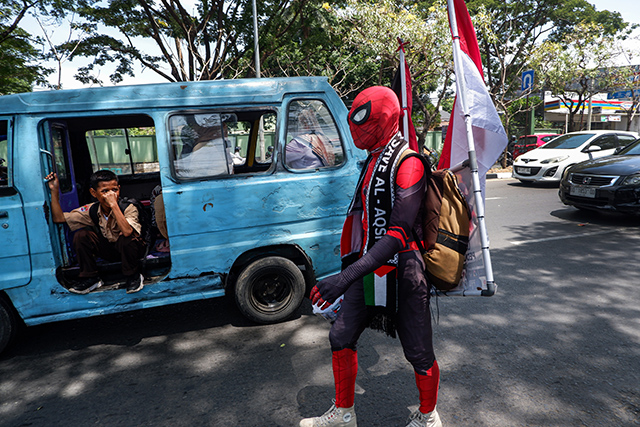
(374, 116)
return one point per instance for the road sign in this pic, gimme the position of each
(527, 80)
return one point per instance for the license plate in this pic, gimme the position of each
(582, 191)
(524, 171)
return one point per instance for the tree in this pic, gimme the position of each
(373, 30)
(181, 41)
(17, 54)
(627, 79)
(514, 31)
(62, 53)
(11, 13)
(320, 46)
(632, 108)
(577, 67)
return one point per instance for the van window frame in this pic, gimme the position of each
(9, 189)
(263, 108)
(61, 154)
(335, 122)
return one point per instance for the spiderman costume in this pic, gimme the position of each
(383, 278)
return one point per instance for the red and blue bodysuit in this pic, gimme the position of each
(383, 278)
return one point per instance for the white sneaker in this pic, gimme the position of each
(418, 419)
(335, 417)
(134, 283)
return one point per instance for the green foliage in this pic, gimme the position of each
(515, 30)
(18, 69)
(201, 41)
(146, 131)
(447, 104)
(520, 112)
(17, 74)
(578, 67)
(370, 30)
(320, 47)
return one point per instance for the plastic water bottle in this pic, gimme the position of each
(330, 313)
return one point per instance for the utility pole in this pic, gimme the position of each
(256, 44)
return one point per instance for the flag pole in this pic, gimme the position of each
(473, 161)
(403, 85)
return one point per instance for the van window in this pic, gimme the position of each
(213, 144)
(59, 143)
(125, 151)
(313, 140)
(4, 153)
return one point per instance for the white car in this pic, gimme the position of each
(548, 162)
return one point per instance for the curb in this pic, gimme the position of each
(499, 175)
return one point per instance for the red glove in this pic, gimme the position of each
(315, 296)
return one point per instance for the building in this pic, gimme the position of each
(607, 114)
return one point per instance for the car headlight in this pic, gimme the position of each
(555, 159)
(632, 180)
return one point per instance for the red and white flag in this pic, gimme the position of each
(403, 83)
(482, 133)
(489, 136)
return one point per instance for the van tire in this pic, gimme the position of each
(270, 290)
(8, 324)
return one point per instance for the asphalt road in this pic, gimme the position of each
(559, 345)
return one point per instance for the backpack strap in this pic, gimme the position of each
(123, 203)
(93, 213)
(427, 170)
(410, 153)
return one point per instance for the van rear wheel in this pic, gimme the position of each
(8, 325)
(270, 289)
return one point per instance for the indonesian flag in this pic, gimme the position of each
(489, 139)
(489, 136)
(397, 86)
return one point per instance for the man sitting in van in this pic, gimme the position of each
(116, 239)
(207, 149)
(310, 148)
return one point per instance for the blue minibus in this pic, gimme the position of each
(250, 218)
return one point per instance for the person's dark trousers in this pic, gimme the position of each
(88, 244)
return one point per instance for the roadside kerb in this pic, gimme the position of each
(499, 175)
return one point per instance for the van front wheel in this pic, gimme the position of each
(270, 289)
(8, 325)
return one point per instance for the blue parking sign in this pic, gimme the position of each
(527, 80)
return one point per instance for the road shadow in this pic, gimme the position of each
(559, 345)
(602, 218)
(130, 328)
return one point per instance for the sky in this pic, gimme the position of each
(628, 9)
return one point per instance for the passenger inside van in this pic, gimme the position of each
(3, 173)
(206, 150)
(309, 148)
(159, 218)
(107, 228)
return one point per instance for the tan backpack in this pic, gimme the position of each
(445, 229)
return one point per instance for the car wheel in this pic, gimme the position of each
(8, 325)
(270, 289)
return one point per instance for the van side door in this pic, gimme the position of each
(15, 263)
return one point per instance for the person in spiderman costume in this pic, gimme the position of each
(383, 278)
